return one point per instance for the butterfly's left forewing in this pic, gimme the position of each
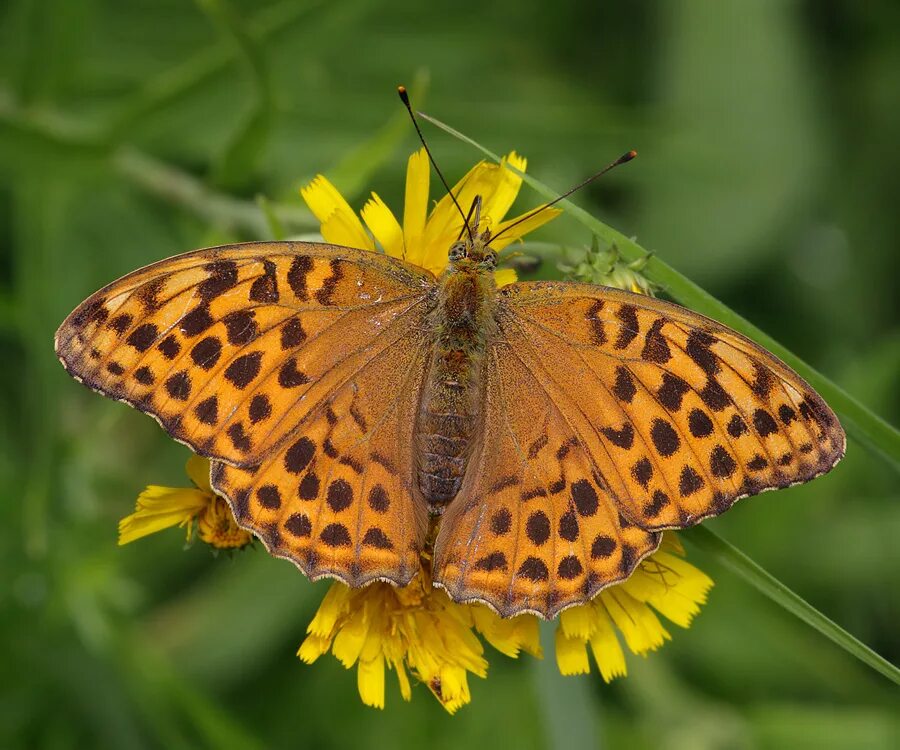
(301, 363)
(228, 347)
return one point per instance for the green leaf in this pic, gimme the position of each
(860, 423)
(731, 557)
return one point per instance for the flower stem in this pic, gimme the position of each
(860, 423)
(732, 558)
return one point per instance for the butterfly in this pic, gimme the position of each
(353, 403)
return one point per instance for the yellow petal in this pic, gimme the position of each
(197, 469)
(529, 225)
(445, 223)
(312, 648)
(452, 688)
(571, 655)
(577, 622)
(685, 590)
(384, 225)
(606, 648)
(370, 681)
(415, 207)
(349, 642)
(340, 225)
(641, 628)
(507, 636)
(504, 276)
(161, 508)
(507, 183)
(403, 680)
(333, 605)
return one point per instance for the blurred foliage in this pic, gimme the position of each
(134, 130)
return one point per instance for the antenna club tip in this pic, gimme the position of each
(401, 90)
(629, 156)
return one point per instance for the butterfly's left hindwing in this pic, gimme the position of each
(337, 497)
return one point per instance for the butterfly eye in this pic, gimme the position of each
(490, 259)
(457, 251)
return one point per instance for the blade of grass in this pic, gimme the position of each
(732, 558)
(218, 208)
(861, 423)
(568, 710)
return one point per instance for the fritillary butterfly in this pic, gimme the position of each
(347, 397)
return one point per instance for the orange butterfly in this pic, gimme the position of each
(350, 399)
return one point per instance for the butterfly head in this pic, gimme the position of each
(473, 253)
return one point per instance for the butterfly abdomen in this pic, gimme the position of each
(462, 323)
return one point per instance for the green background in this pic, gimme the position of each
(134, 130)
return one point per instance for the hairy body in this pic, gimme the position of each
(462, 324)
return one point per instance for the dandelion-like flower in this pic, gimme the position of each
(424, 238)
(160, 508)
(416, 628)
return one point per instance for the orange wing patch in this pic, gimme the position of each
(682, 415)
(337, 497)
(282, 359)
(227, 348)
(535, 527)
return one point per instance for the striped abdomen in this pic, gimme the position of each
(451, 400)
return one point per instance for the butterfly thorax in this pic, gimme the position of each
(462, 324)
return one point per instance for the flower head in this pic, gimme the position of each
(416, 628)
(161, 508)
(606, 268)
(663, 583)
(424, 238)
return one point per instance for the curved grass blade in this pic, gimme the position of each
(732, 558)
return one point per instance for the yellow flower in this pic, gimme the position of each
(161, 508)
(423, 238)
(416, 628)
(663, 582)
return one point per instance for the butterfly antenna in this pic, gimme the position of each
(404, 97)
(476, 204)
(621, 160)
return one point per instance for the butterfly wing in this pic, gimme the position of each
(228, 348)
(648, 415)
(248, 353)
(535, 527)
(682, 415)
(337, 497)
